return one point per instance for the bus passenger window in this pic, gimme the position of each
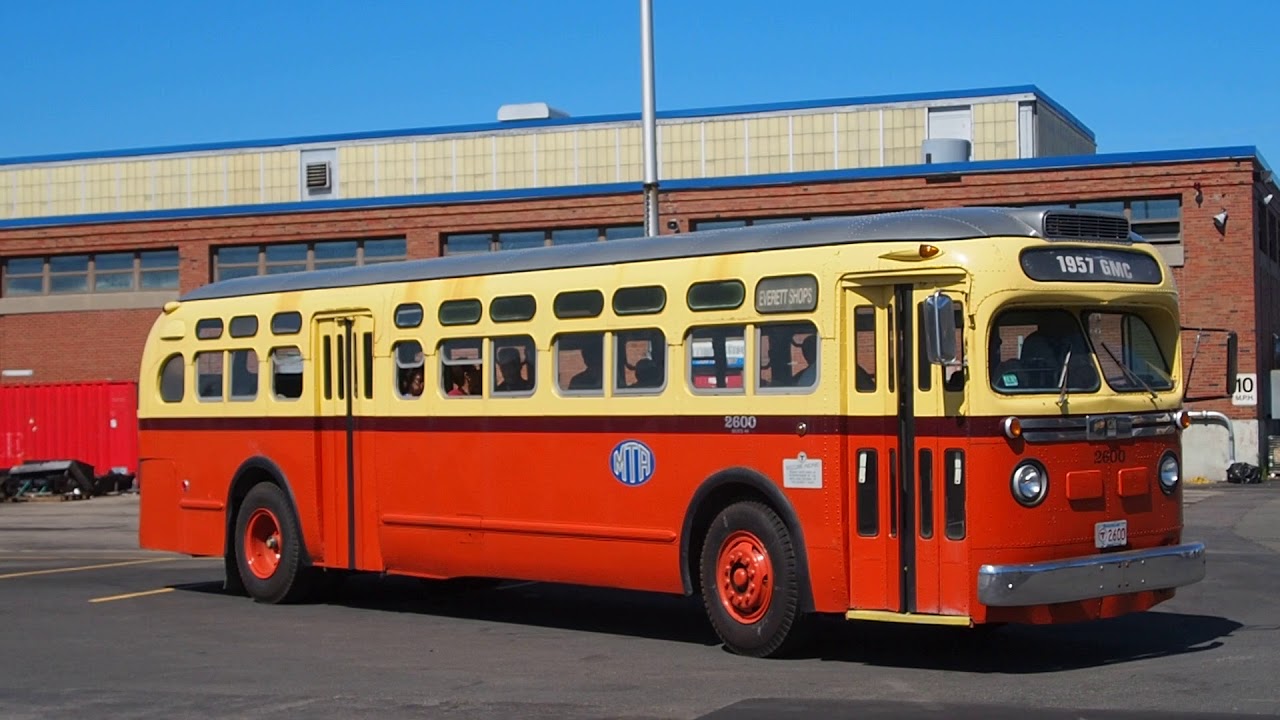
(717, 357)
(864, 340)
(953, 372)
(513, 368)
(410, 368)
(286, 373)
(172, 385)
(244, 374)
(788, 356)
(209, 375)
(460, 367)
(641, 361)
(580, 362)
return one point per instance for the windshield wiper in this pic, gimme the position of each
(1129, 373)
(1062, 381)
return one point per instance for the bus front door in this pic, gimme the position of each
(344, 363)
(902, 428)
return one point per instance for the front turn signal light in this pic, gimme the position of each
(1012, 428)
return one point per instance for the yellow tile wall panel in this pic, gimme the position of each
(395, 168)
(680, 150)
(6, 195)
(514, 161)
(63, 197)
(435, 166)
(244, 179)
(631, 154)
(725, 147)
(280, 177)
(170, 185)
(355, 171)
(475, 164)
(597, 156)
(208, 181)
(768, 145)
(556, 158)
(99, 187)
(813, 142)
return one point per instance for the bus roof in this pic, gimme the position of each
(924, 225)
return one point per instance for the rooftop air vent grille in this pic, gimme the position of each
(318, 176)
(1079, 226)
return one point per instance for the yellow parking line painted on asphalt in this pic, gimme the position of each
(126, 596)
(103, 566)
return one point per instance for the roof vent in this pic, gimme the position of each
(937, 151)
(318, 176)
(529, 111)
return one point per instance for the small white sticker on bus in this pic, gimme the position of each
(802, 472)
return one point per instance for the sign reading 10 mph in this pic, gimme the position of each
(1090, 265)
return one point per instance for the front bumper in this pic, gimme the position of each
(1091, 576)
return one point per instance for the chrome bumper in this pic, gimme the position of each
(1091, 576)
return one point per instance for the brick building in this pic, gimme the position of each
(92, 245)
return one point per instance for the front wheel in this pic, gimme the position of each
(268, 547)
(750, 580)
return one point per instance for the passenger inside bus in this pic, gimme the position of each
(648, 374)
(411, 382)
(464, 380)
(809, 351)
(590, 377)
(509, 367)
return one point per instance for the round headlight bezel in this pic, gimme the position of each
(1169, 456)
(1018, 476)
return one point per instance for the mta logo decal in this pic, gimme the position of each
(632, 462)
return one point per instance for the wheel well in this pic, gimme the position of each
(719, 492)
(252, 472)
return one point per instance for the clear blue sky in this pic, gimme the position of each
(82, 76)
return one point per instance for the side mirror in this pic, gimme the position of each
(939, 329)
(1232, 363)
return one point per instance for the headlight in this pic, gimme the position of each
(1030, 483)
(1170, 473)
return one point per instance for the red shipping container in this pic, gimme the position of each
(94, 422)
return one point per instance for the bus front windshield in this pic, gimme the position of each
(1047, 351)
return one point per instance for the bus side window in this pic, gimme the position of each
(788, 355)
(209, 375)
(641, 358)
(172, 379)
(461, 363)
(953, 372)
(580, 362)
(410, 368)
(513, 368)
(244, 374)
(286, 373)
(864, 330)
(717, 356)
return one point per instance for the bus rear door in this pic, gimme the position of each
(344, 353)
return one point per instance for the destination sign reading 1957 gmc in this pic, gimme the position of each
(1090, 265)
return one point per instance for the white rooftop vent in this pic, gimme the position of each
(529, 111)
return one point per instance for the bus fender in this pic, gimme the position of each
(720, 490)
(251, 472)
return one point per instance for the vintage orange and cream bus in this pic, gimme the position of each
(960, 417)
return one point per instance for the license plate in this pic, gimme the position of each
(1111, 534)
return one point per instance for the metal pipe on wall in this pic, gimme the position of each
(1216, 418)
(648, 121)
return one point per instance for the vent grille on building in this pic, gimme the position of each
(1075, 226)
(318, 176)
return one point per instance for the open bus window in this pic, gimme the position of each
(788, 356)
(244, 374)
(641, 358)
(1128, 352)
(580, 362)
(513, 365)
(717, 357)
(286, 373)
(1028, 350)
(410, 368)
(864, 355)
(209, 375)
(461, 367)
(172, 385)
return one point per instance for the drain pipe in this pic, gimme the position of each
(1213, 417)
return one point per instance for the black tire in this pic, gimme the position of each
(286, 579)
(745, 541)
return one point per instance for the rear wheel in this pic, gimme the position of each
(269, 547)
(750, 580)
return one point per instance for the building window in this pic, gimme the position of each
(98, 273)
(245, 260)
(466, 243)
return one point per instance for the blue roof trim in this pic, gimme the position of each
(896, 171)
(555, 122)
